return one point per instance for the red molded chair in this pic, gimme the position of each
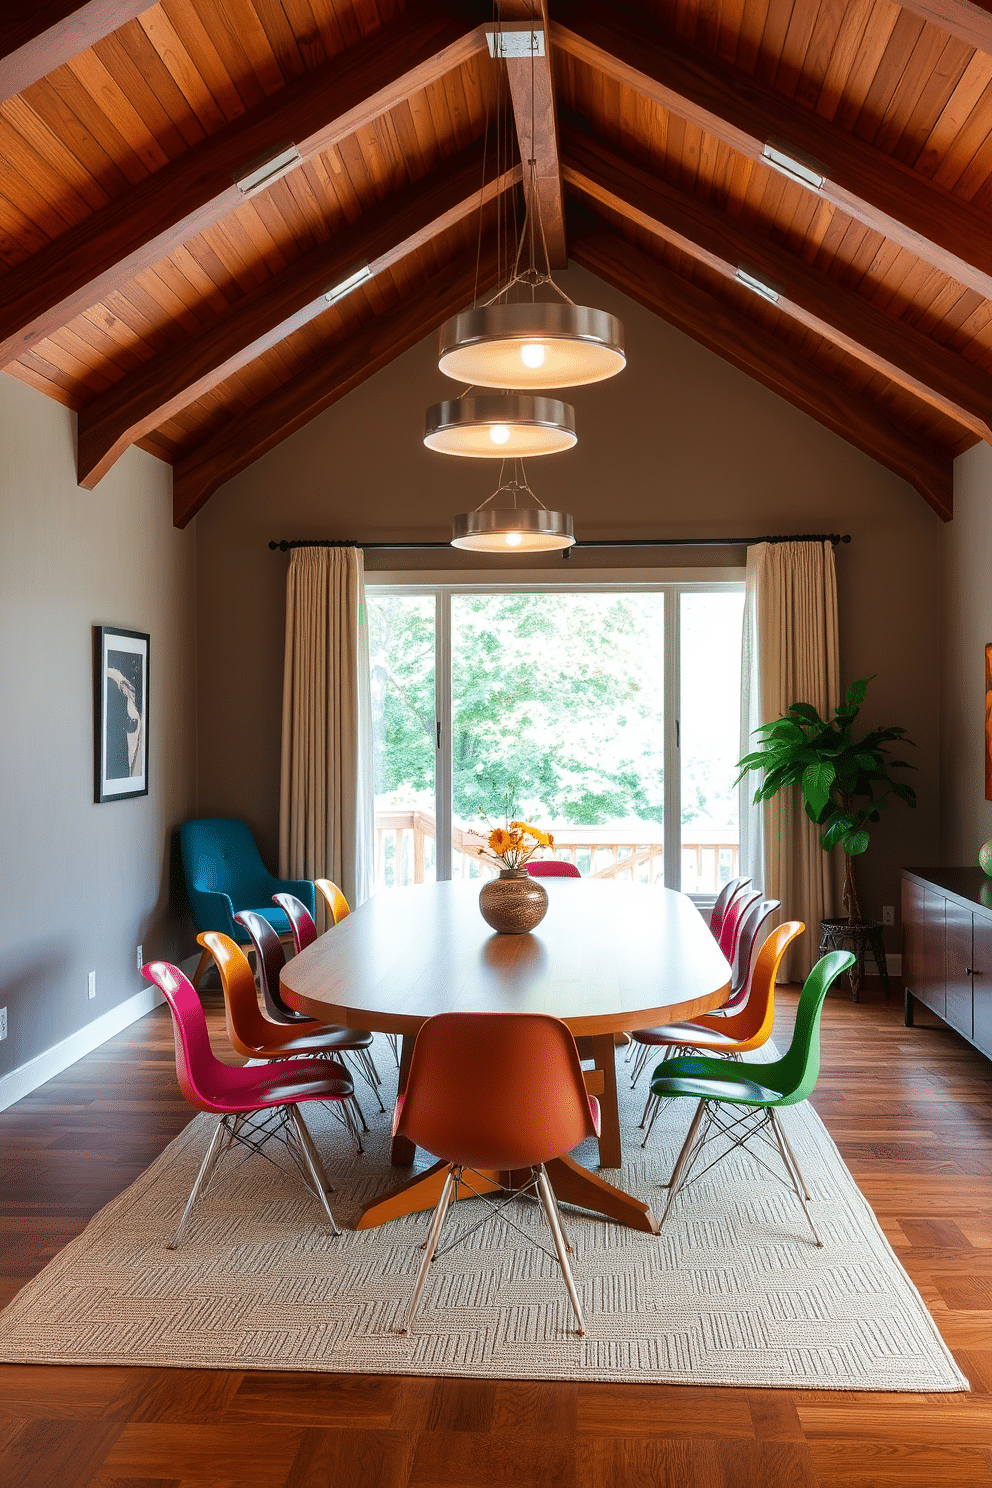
(270, 960)
(244, 1098)
(723, 901)
(301, 921)
(492, 1093)
(552, 868)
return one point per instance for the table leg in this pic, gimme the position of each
(604, 1053)
(572, 1183)
(403, 1150)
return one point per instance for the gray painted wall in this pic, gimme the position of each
(84, 884)
(966, 629)
(680, 444)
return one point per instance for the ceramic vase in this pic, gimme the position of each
(513, 903)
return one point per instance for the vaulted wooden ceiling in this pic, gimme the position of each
(140, 286)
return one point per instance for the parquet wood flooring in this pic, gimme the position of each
(911, 1110)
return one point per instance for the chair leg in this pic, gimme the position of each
(394, 1044)
(201, 966)
(795, 1173)
(312, 1159)
(641, 1059)
(684, 1161)
(210, 1159)
(357, 1058)
(430, 1245)
(558, 1235)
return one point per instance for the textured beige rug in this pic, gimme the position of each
(734, 1292)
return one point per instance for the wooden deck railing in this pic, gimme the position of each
(404, 850)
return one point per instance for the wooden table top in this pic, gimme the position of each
(607, 958)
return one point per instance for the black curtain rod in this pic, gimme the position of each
(284, 545)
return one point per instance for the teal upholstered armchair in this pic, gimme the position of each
(225, 874)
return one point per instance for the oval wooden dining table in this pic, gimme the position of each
(607, 958)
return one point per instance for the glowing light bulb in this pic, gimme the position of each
(513, 539)
(499, 433)
(532, 355)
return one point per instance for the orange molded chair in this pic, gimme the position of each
(256, 1037)
(337, 904)
(738, 1033)
(496, 1092)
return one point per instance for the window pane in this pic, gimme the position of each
(710, 683)
(558, 699)
(401, 651)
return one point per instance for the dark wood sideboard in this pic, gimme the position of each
(947, 948)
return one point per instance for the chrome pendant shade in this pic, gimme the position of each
(512, 529)
(532, 344)
(505, 425)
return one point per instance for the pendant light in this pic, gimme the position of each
(532, 343)
(513, 528)
(510, 425)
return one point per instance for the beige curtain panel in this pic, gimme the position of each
(790, 655)
(326, 808)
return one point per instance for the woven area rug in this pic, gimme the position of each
(734, 1292)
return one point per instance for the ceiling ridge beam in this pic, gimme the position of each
(939, 376)
(969, 20)
(388, 232)
(244, 439)
(36, 36)
(537, 128)
(135, 230)
(876, 189)
(765, 357)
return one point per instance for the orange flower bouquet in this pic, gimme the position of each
(513, 845)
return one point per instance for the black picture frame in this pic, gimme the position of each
(121, 674)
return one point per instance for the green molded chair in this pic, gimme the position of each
(757, 1090)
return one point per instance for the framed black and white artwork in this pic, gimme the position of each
(121, 713)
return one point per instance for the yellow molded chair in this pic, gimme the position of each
(740, 1032)
(337, 904)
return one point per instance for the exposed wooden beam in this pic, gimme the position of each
(969, 20)
(718, 327)
(166, 383)
(940, 377)
(36, 36)
(532, 96)
(135, 230)
(867, 184)
(273, 418)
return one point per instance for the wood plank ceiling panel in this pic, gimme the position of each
(762, 200)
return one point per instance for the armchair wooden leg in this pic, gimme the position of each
(205, 960)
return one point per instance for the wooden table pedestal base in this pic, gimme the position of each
(572, 1184)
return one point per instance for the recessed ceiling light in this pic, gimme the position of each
(807, 172)
(516, 39)
(759, 288)
(347, 285)
(262, 173)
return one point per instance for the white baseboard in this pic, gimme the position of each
(27, 1077)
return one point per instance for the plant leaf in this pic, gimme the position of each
(807, 713)
(817, 780)
(855, 843)
(856, 695)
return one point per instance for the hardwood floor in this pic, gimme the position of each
(911, 1110)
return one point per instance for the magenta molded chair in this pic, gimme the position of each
(301, 921)
(730, 930)
(253, 1105)
(552, 868)
(496, 1092)
(723, 901)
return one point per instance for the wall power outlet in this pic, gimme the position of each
(888, 914)
(139, 957)
(3, 1023)
(91, 985)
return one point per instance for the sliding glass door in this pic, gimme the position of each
(608, 714)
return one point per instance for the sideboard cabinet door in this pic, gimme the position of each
(982, 963)
(958, 963)
(933, 990)
(913, 895)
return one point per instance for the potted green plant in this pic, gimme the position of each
(846, 781)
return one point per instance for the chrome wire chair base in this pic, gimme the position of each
(253, 1130)
(363, 1064)
(394, 1044)
(655, 1103)
(537, 1188)
(712, 1122)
